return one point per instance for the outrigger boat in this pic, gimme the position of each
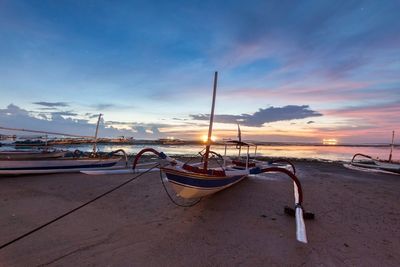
(368, 163)
(191, 181)
(31, 154)
(246, 162)
(33, 162)
(72, 163)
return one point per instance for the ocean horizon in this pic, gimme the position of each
(342, 152)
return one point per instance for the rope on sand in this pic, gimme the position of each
(195, 202)
(75, 209)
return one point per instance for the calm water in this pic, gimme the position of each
(332, 153)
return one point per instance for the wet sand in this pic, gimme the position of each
(357, 221)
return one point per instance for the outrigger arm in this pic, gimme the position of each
(301, 234)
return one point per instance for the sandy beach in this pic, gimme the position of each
(357, 221)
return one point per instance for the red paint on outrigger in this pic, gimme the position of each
(141, 153)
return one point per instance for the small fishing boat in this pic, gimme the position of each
(367, 163)
(48, 162)
(192, 181)
(31, 154)
(76, 162)
(248, 161)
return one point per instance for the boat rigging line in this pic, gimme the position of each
(77, 208)
(56, 133)
(45, 132)
(195, 202)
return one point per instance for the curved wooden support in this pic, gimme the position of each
(292, 176)
(285, 161)
(141, 152)
(123, 152)
(301, 234)
(362, 155)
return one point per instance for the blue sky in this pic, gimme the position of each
(303, 70)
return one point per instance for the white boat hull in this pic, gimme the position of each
(27, 155)
(62, 165)
(369, 163)
(191, 185)
(188, 192)
(379, 167)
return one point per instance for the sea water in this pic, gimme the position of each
(314, 152)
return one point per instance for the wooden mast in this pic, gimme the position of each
(95, 135)
(240, 139)
(211, 122)
(391, 147)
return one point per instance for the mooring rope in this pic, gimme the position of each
(172, 200)
(77, 208)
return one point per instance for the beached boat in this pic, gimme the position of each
(47, 162)
(366, 162)
(31, 154)
(248, 160)
(191, 181)
(71, 163)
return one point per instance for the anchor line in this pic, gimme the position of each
(77, 208)
(173, 201)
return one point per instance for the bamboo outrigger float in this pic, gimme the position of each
(192, 181)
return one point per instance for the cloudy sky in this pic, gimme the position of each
(288, 70)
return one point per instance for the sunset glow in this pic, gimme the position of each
(204, 138)
(331, 142)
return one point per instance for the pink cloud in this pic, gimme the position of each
(364, 124)
(341, 90)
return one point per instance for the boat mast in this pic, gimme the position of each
(211, 122)
(240, 139)
(95, 135)
(391, 147)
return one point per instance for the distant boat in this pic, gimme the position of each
(366, 162)
(171, 141)
(248, 161)
(30, 143)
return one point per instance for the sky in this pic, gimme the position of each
(289, 71)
